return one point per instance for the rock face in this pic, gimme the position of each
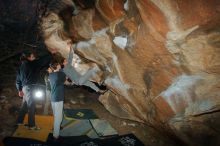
(160, 60)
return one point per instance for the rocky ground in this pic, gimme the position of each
(78, 98)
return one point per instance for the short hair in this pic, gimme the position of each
(58, 58)
(54, 63)
(25, 54)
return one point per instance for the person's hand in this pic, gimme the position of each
(20, 93)
(67, 83)
(49, 70)
(65, 62)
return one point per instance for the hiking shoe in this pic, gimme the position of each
(61, 128)
(56, 138)
(21, 124)
(34, 128)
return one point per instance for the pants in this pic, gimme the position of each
(47, 102)
(81, 79)
(57, 108)
(28, 106)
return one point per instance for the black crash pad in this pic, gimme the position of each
(71, 114)
(123, 140)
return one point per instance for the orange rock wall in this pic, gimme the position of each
(158, 59)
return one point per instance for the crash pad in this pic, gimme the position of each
(93, 128)
(66, 141)
(123, 140)
(103, 127)
(71, 114)
(19, 141)
(77, 128)
(44, 122)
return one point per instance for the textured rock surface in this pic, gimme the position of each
(160, 60)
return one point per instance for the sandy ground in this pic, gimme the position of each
(76, 97)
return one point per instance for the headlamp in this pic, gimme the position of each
(38, 94)
(38, 91)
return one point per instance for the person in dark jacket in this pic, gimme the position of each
(27, 76)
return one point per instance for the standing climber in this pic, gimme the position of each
(57, 80)
(27, 76)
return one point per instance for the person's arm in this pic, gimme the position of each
(19, 85)
(67, 63)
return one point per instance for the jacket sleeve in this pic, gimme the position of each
(18, 82)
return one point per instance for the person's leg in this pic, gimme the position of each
(58, 116)
(85, 78)
(22, 112)
(31, 106)
(53, 106)
(72, 74)
(47, 102)
(91, 85)
(78, 79)
(31, 112)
